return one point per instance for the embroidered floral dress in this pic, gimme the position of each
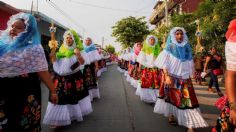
(20, 94)
(74, 101)
(89, 71)
(149, 84)
(178, 99)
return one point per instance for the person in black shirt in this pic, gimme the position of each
(213, 62)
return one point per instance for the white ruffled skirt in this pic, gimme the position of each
(190, 118)
(126, 73)
(104, 69)
(134, 82)
(120, 70)
(86, 106)
(128, 78)
(99, 73)
(146, 94)
(94, 93)
(62, 115)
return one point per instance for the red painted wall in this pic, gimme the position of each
(4, 17)
(191, 5)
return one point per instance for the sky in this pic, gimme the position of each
(90, 18)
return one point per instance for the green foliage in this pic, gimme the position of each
(186, 21)
(130, 30)
(111, 49)
(214, 16)
(161, 32)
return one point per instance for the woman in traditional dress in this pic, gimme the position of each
(103, 62)
(126, 58)
(150, 75)
(177, 98)
(123, 54)
(227, 120)
(23, 62)
(119, 59)
(100, 63)
(74, 101)
(108, 58)
(130, 65)
(91, 69)
(135, 72)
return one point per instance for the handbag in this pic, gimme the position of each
(74, 66)
(217, 72)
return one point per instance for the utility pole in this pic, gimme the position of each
(166, 12)
(102, 41)
(38, 6)
(31, 10)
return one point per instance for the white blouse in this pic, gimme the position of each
(230, 54)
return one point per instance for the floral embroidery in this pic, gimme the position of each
(79, 84)
(150, 78)
(32, 113)
(89, 79)
(181, 94)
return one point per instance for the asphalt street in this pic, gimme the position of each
(120, 110)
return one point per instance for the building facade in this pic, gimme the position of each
(158, 16)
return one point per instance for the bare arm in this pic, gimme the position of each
(208, 58)
(53, 56)
(230, 84)
(78, 54)
(46, 78)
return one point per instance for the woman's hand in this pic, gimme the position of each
(233, 117)
(169, 80)
(46, 78)
(77, 52)
(54, 98)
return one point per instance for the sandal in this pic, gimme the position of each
(211, 90)
(220, 94)
(172, 120)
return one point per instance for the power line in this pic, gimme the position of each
(66, 15)
(106, 8)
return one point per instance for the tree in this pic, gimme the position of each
(214, 16)
(187, 21)
(130, 30)
(111, 49)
